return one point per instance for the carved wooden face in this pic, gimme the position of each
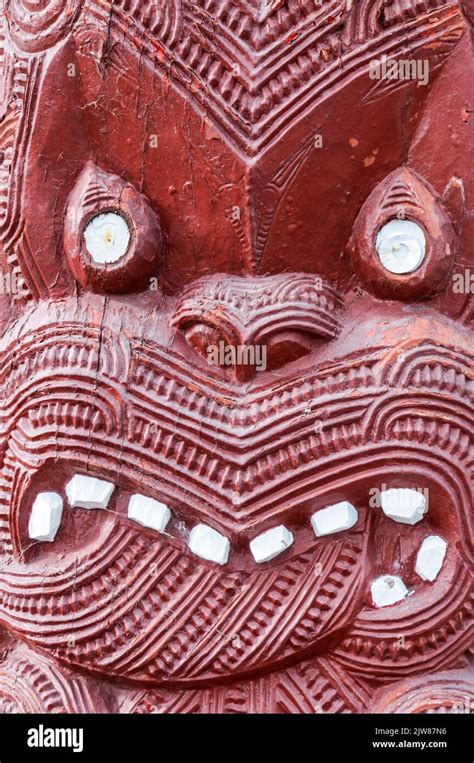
(238, 245)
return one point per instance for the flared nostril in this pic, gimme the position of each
(254, 324)
(288, 346)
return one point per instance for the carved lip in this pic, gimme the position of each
(237, 461)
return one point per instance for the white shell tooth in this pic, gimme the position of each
(209, 544)
(45, 517)
(403, 505)
(334, 519)
(387, 590)
(148, 512)
(430, 557)
(88, 492)
(271, 543)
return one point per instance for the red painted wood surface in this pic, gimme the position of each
(255, 160)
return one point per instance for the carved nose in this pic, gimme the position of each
(253, 324)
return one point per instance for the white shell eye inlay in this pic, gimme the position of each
(45, 517)
(88, 492)
(209, 544)
(403, 505)
(148, 512)
(107, 238)
(271, 543)
(430, 557)
(387, 590)
(401, 246)
(334, 519)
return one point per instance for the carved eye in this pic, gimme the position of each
(112, 238)
(107, 238)
(401, 246)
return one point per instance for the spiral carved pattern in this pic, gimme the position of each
(449, 692)
(36, 25)
(29, 683)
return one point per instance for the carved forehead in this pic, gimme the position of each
(222, 133)
(255, 67)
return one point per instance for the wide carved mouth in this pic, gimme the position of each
(121, 598)
(102, 574)
(61, 509)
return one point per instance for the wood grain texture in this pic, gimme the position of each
(254, 160)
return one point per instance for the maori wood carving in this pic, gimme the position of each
(286, 525)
